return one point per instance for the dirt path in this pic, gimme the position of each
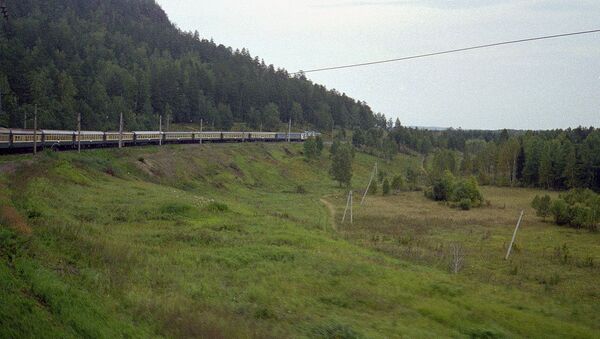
(331, 210)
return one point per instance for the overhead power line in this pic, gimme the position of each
(448, 51)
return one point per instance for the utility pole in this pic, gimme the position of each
(79, 132)
(121, 130)
(332, 127)
(514, 236)
(346, 209)
(201, 126)
(35, 131)
(290, 131)
(349, 203)
(160, 130)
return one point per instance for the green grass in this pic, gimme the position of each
(215, 241)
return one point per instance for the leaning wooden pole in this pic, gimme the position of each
(514, 236)
(346, 210)
(369, 185)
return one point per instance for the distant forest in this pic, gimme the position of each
(103, 57)
(558, 159)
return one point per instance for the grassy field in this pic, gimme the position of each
(218, 241)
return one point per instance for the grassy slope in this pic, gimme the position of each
(137, 242)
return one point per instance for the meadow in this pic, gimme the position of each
(233, 240)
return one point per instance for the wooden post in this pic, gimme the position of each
(160, 130)
(78, 132)
(514, 236)
(346, 210)
(369, 185)
(35, 131)
(121, 130)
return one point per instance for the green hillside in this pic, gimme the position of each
(101, 58)
(219, 241)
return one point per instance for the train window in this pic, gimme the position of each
(3, 137)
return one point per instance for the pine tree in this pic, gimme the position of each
(546, 178)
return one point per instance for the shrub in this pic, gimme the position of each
(311, 150)
(398, 183)
(319, 145)
(373, 187)
(465, 204)
(442, 188)
(386, 187)
(467, 190)
(381, 175)
(175, 209)
(216, 207)
(300, 189)
(580, 216)
(560, 212)
(542, 206)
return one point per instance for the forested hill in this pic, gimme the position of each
(102, 57)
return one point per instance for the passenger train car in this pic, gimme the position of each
(23, 140)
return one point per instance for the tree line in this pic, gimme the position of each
(102, 58)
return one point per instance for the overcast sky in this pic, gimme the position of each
(539, 85)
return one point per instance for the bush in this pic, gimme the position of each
(467, 190)
(300, 189)
(319, 144)
(216, 207)
(542, 206)
(580, 216)
(465, 204)
(398, 183)
(311, 150)
(442, 188)
(560, 212)
(579, 208)
(386, 187)
(447, 188)
(373, 187)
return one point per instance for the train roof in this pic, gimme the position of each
(147, 132)
(22, 131)
(50, 131)
(89, 132)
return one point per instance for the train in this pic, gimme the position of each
(26, 140)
